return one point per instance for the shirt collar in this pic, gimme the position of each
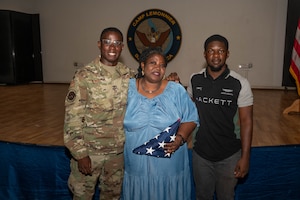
(224, 75)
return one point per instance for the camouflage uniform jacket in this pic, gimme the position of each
(94, 110)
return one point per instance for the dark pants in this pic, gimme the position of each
(215, 177)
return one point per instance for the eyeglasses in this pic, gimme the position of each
(218, 51)
(108, 42)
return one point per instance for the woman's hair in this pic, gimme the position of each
(148, 52)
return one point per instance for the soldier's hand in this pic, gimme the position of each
(85, 165)
(173, 77)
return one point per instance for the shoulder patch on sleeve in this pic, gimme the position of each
(71, 96)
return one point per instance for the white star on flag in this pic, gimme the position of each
(155, 146)
(173, 137)
(149, 150)
(161, 144)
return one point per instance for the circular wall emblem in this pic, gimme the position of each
(153, 28)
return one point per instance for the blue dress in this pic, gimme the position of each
(152, 178)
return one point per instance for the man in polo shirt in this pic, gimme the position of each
(224, 100)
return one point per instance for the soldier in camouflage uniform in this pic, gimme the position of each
(93, 130)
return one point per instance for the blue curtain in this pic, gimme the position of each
(33, 172)
(274, 174)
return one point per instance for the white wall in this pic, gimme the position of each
(255, 30)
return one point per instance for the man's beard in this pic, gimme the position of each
(215, 69)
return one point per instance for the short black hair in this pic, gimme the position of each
(111, 29)
(216, 37)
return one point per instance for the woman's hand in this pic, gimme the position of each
(171, 147)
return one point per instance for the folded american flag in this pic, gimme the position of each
(155, 146)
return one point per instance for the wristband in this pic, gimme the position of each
(182, 139)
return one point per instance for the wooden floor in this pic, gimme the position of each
(34, 113)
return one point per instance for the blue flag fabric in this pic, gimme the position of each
(155, 146)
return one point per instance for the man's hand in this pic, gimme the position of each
(85, 165)
(242, 168)
(173, 77)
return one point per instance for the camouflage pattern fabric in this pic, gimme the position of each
(107, 169)
(94, 113)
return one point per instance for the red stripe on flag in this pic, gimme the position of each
(297, 47)
(295, 61)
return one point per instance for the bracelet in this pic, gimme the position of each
(182, 139)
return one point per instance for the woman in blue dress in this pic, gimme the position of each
(154, 104)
